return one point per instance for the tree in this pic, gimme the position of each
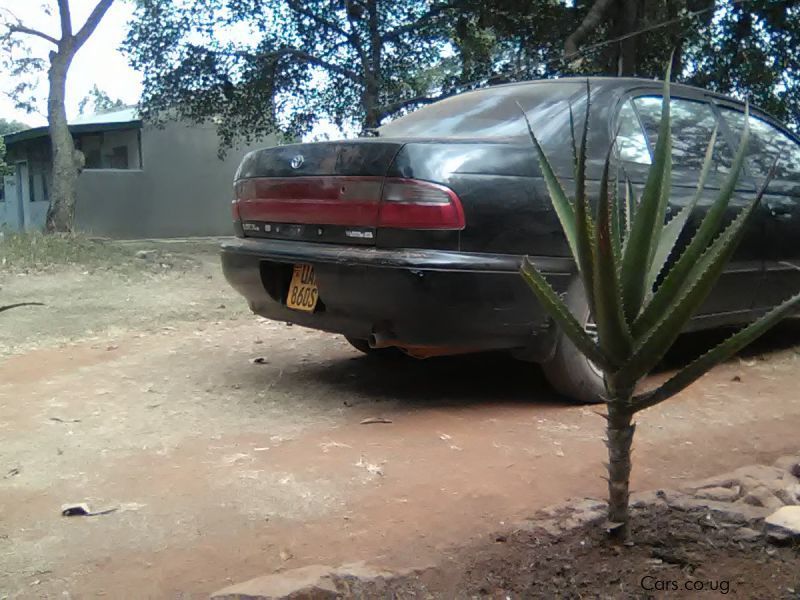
(5, 169)
(748, 49)
(6, 127)
(638, 300)
(256, 68)
(66, 161)
(10, 126)
(98, 101)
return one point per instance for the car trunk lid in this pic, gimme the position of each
(323, 191)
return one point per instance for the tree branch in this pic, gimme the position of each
(66, 19)
(18, 304)
(593, 18)
(356, 37)
(300, 9)
(92, 22)
(20, 28)
(320, 62)
(434, 11)
(388, 109)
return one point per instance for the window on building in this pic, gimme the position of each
(31, 186)
(693, 123)
(118, 149)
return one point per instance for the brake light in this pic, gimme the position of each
(414, 204)
(235, 210)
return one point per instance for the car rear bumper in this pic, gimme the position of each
(417, 298)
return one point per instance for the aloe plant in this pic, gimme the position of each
(640, 301)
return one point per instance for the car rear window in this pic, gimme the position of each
(493, 112)
(766, 144)
(693, 123)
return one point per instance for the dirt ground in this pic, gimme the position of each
(137, 389)
(676, 554)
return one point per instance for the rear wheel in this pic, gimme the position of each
(570, 372)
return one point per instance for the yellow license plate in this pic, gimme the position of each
(303, 293)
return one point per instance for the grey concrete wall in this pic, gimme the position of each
(182, 190)
(26, 202)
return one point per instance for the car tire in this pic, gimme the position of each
(363, 346)
(569, 372)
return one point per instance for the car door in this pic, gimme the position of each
(693, 122)
(781, 203)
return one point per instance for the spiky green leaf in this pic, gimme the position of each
(615, 339)
(572, 137)
(584, 225)
(676, 279)
(559, 198)
(630, 208)
(654, 344)
(672, 230)
(650, 214)
(556, 308)
(715, 356)
(616, 219)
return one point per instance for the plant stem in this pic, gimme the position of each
(620, 432)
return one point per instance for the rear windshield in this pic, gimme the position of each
(493, 112)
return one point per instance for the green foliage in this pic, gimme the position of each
(7, 127)
(257, 68)
(11, 126)
(5, 169)
(98, 101)
(747, 49)
(639, 315)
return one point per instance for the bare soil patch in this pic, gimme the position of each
(139, 390)
(676, 555)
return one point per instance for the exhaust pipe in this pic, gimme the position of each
(379, 339)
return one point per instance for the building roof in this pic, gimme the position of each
(126, 118)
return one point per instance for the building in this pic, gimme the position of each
(139, 181)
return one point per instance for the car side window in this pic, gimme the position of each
(630, 140)
(766, 143)
(693, 123)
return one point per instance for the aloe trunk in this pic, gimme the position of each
(640, 307)
(619, 440)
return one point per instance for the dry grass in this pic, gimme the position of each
(35, 251)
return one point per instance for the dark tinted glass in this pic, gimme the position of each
(692, 126)
(631, 144)
(766, 143)
(493, 112)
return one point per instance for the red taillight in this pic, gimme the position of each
(312, 200)
(362, 201)
(235, 210)
(413, 204)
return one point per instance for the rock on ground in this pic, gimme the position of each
(314, 582)
(783, 524)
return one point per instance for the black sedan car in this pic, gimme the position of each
(413, 239)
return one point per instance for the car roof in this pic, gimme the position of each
(606, 83)
(619, 83)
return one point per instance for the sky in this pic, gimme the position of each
(99, 61)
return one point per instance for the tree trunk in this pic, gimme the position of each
(373, 75)
(594, 18)
(628, 23)
(61, 212)
(372, 117)
(620, 430)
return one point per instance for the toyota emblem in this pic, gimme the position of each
(297, 161)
